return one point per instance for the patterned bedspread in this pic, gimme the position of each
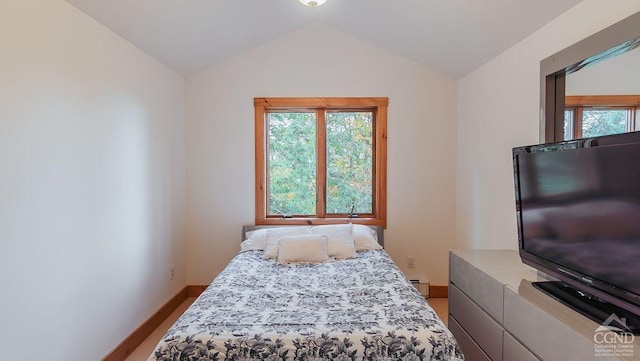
(354, 309)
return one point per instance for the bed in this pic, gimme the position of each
(359, 308)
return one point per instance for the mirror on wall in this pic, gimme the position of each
(593, 87)
(604, 98)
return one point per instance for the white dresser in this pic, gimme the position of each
(496, 314)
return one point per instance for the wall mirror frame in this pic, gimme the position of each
(605, 44)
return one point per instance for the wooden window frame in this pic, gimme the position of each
(377, 105)
(578, 103)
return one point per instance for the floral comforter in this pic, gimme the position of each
(354, 309)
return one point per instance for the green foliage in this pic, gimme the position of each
(602, 122)
(292, 162)
(349, 162)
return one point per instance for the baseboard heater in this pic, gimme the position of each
(422, 285)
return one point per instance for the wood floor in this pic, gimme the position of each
(441, 306)
(145, 349)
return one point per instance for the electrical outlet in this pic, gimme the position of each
(172, 271)
(411, 262)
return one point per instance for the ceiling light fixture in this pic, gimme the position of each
(312, 3)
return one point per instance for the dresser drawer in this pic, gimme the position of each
(544, 334)
(470, 349)
(483, 289)
(486, 332)
(515, 351)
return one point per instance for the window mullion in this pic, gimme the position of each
(321, 162)
(577, 123)
(631, 126)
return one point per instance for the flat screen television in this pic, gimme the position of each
(578, 213)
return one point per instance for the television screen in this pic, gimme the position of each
(578, 208)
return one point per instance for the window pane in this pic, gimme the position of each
(568, 124)
(292, 163)
(597, 122)
(349, 162)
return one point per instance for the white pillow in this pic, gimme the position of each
(256, 240)
(303, 249)
(365, 238)
(274, 235)
(340, 244)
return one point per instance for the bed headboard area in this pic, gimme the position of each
(248, 228)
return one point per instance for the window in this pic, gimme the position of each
(591, 116)
(320, 160)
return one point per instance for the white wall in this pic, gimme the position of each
(498, 107)
(610, 77)
(92, 184)
(319, 60)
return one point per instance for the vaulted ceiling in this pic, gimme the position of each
(451, 36)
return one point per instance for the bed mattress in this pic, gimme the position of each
(355, 309)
